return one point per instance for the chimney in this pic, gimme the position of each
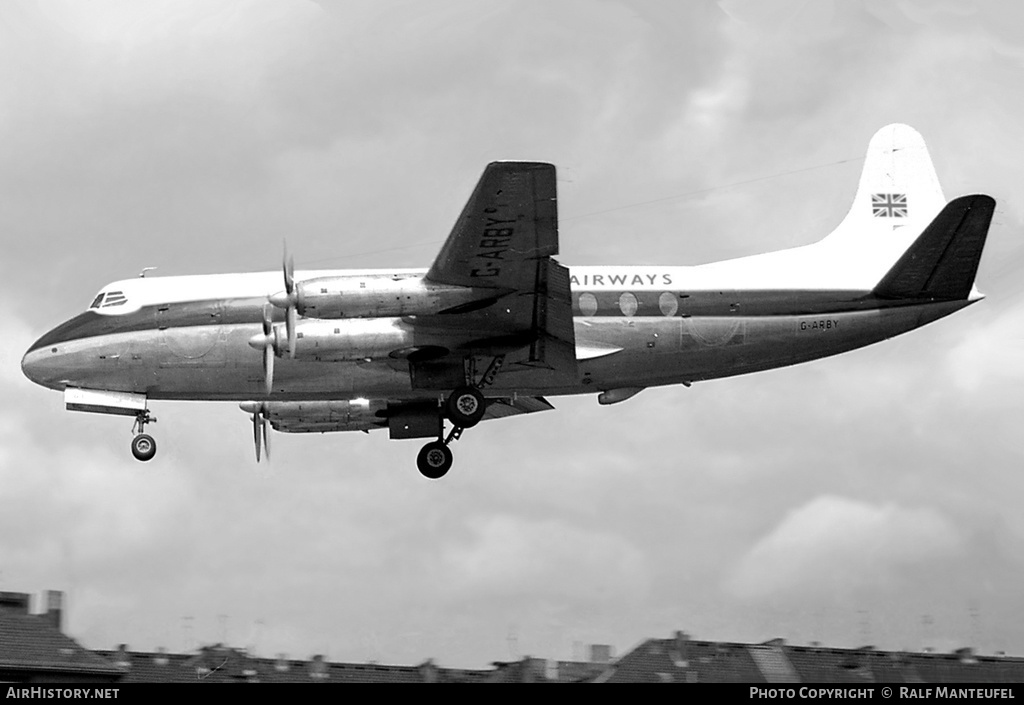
(55, 609)
(318, 668)
(14, 602)
(533, 670)
(428, 671)
(123, 659)
(160, 658)
(966, 655)
(600, 653)
(679, 653)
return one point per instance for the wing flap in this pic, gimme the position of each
(501, 408)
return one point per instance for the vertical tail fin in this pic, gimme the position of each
(898, 196)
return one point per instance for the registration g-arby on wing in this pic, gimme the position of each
(496, 325)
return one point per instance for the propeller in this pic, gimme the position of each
(260, 424)
(267, 340)
(288, 299)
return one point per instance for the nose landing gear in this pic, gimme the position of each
(143, 445)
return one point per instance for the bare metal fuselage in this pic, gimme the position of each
(654, 332)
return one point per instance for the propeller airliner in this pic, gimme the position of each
(496, 325)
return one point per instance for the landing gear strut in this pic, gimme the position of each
(143, 445)
(464, 407)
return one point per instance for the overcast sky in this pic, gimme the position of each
(870, 498)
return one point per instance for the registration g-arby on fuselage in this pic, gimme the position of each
(496, 324)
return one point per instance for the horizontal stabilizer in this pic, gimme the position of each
(943, 260)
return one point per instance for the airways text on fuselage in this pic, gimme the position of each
(621, 279)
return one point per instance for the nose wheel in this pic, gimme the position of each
(143, 445)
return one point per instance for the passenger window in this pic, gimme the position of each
(668, 304)
(628, 304)
(588, 304)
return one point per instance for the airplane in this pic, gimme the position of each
(496, 324)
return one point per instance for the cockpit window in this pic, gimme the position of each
(114, 298)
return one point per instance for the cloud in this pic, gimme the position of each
(841, 545)
(988, 358)
(512, 555)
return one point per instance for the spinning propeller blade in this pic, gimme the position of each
(257, 421)
(260, 421)
(267, 342)
(260, 424)
(290, 325)
(268, 368)
(288, 299)
(269, 345)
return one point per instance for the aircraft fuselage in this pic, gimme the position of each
(638, 327)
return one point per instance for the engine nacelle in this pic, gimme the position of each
(381, 295)
(351, 340)
(322, 416)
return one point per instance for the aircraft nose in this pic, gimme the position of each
(31, 366)
(40, 366)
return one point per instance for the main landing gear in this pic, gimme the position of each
(464, 407)
(143, 445)
(435, 458)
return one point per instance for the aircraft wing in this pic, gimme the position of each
(509, 224)
(504, 240)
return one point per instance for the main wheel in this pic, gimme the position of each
(143, 447)
(466, 406)
(434, 460)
